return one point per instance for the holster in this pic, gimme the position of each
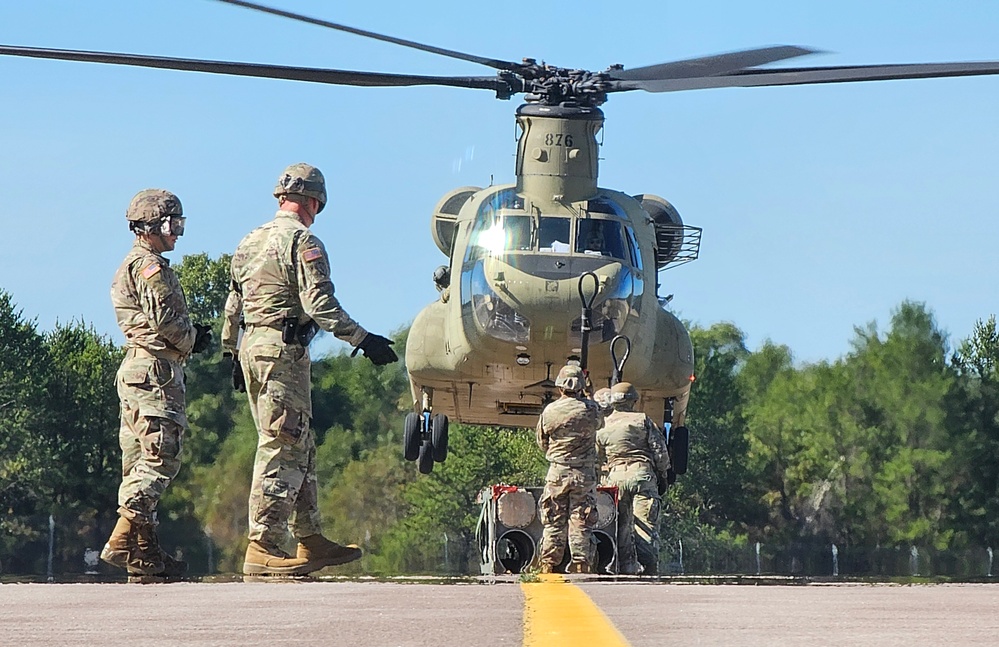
(307, 332)
(291, 332)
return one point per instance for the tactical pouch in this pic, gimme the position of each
(160, 373)
(289, 330)
(307, 332)
(278, 418)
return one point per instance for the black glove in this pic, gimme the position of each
(202, 338)
(238, 380)
(376, 348)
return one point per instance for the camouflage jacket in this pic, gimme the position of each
(281, 270)
(631, 437)
(150, 305)
(567, 431)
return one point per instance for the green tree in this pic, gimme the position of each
(214, 411)
(82, 411)
(718, 485)
(58, 435)
(24, 455)
(901, 387)
(205, 282)
(974, 415)
(857, 451)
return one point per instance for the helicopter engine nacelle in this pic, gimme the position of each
(443, 221)
(669, 227)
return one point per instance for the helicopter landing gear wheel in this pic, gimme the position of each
(438, 436)
(411, 436)
(426, 462)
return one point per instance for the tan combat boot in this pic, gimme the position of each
(321, 552)
(578, 567)
(122, 550)
(120, 544)
(261, 560)
(149, 547)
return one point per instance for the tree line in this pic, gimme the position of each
(893, 444)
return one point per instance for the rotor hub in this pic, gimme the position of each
(558, 86)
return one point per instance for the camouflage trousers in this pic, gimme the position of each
(151, 434)
(638, 517)
(568, 508)
(283, 493)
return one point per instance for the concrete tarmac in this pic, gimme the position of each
(475, 614)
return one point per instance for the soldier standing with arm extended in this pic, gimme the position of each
(159, 337)
(567, 433)
(282, 294)
(633, 457)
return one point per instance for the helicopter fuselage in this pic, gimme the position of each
(510, 314)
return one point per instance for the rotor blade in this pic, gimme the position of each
(314, 75)
(812, 75)
(711, 65)
(491, 62)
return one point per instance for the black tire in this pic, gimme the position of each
(411, 436)
(438, 436)
(679, 446)
(426, 464)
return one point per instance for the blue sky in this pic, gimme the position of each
(823, 207)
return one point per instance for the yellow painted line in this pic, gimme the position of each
(558, 613)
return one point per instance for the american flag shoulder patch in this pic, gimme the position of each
(312, 254)
(151, 271)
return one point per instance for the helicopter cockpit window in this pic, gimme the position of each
(600, 238)
(518, 233)
(636, 254)
(497, 235)
(446, 230)
(606, 205)
(553, 235)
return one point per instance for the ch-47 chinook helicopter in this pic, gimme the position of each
(552, 267)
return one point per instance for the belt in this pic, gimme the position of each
(277, 325)
(574, 466)
(170, 355)
(629, 462)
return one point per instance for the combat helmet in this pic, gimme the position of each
(570, 378)
(623, 392)
(302, 179)
(602, 398)
(156, 211)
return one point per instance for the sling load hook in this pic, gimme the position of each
(619, 365)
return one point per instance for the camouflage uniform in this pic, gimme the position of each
(566, 432)
(281, 270)
(632, 455)
(152, 312)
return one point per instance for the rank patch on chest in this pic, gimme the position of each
(312, 254)
(151, 271)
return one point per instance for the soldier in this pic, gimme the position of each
(282, 294)
(632, 454)
(567, 433)
(159, 337)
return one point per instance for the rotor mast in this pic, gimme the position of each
(558, 151)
